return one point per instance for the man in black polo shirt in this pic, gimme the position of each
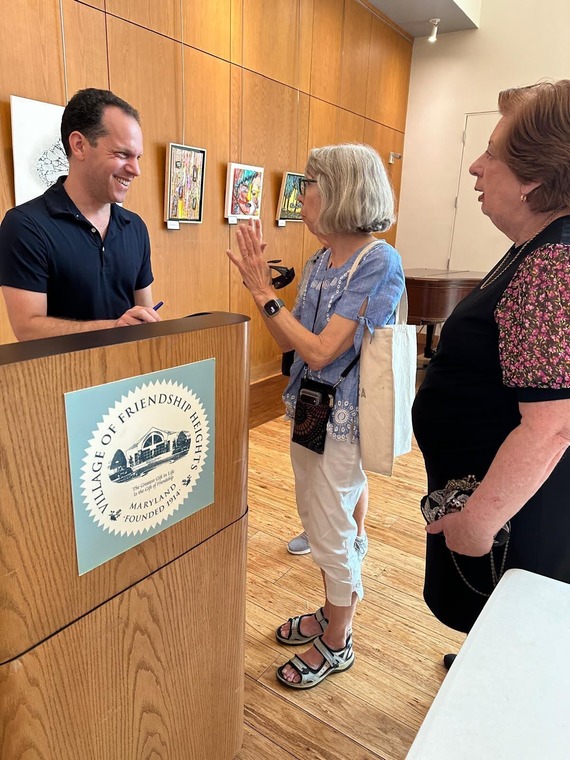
(72, 260)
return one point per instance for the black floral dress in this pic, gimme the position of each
(505, 343)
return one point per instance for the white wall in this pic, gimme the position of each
(472, 8)
(518, 42)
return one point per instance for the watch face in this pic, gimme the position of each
(272, 307)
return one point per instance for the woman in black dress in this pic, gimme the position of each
(495, 402)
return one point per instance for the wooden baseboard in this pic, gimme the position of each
(265, 402)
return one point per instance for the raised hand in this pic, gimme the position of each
(254, 270)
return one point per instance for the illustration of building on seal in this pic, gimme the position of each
(155, 448)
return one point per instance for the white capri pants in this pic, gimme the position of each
(327, 487)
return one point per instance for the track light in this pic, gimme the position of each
(435, 24)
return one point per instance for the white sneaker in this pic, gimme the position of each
(361, 546)
(299, 544)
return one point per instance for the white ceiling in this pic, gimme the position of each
(414, 15)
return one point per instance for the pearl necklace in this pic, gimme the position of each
(502, 266)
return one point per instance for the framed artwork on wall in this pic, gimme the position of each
(185, 173)
(39, 157)
(289, 208)
(244, 184)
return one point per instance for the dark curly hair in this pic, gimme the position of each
(84, 113)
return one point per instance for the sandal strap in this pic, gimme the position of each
(300, 666)
(321, 619)
(332, 660)
(295, 633)
(334, 657)
(294, 623)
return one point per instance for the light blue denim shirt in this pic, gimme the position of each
(380, 278)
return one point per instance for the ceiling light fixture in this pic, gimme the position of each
(435, 24)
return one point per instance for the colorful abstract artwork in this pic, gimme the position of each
(185, 171)
(289, 209)
(39, 157)
(243, 191)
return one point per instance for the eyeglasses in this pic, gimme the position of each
(285, 276)
(303, 182)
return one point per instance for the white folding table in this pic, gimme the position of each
(507, 695)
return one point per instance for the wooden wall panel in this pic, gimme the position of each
(388, 76)
(208, 30)
(355, 56)
(385, 140)
(6, 333)
(304, 105)
(85, 30)
(306, 15)
(236, 31)
(350, 127)
(323, 125)
(162, 17)
(198, 252)
(272, 137)
(34, 33)
(271, 39)
(100, 4)
(327, 49)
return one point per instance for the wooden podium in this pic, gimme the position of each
(143, 657)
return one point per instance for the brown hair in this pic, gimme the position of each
(536, 146)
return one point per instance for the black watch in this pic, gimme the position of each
(273, 307)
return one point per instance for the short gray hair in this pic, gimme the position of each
(356, 194)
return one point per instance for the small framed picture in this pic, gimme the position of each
(289, 208)
(244, 184)
(185, 171)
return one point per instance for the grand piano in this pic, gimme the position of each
(433, 294)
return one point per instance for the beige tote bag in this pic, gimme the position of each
(388, 360)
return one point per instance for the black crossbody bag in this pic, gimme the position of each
(315, 402)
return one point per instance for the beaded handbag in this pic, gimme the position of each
(453, 498)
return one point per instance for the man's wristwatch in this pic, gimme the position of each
(273, 307)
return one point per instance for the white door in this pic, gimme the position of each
(476, 243)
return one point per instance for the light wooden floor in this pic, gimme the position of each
(375, 709)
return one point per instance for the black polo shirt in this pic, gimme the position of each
(48, 246)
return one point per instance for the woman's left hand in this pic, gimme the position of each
(462, 534)
(254, 270)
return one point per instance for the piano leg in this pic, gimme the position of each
(429, 351)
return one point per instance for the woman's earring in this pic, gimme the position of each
(523, 198)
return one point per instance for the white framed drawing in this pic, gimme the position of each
(39, 158)
(244, 184)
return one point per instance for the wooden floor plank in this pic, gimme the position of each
(258, 747)
(354, 718)
(301, 732)
(374, 710)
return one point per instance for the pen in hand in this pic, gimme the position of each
(157, 306)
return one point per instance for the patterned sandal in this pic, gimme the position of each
(336, 661)
(296, 638)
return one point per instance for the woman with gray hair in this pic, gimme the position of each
(346, 196)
